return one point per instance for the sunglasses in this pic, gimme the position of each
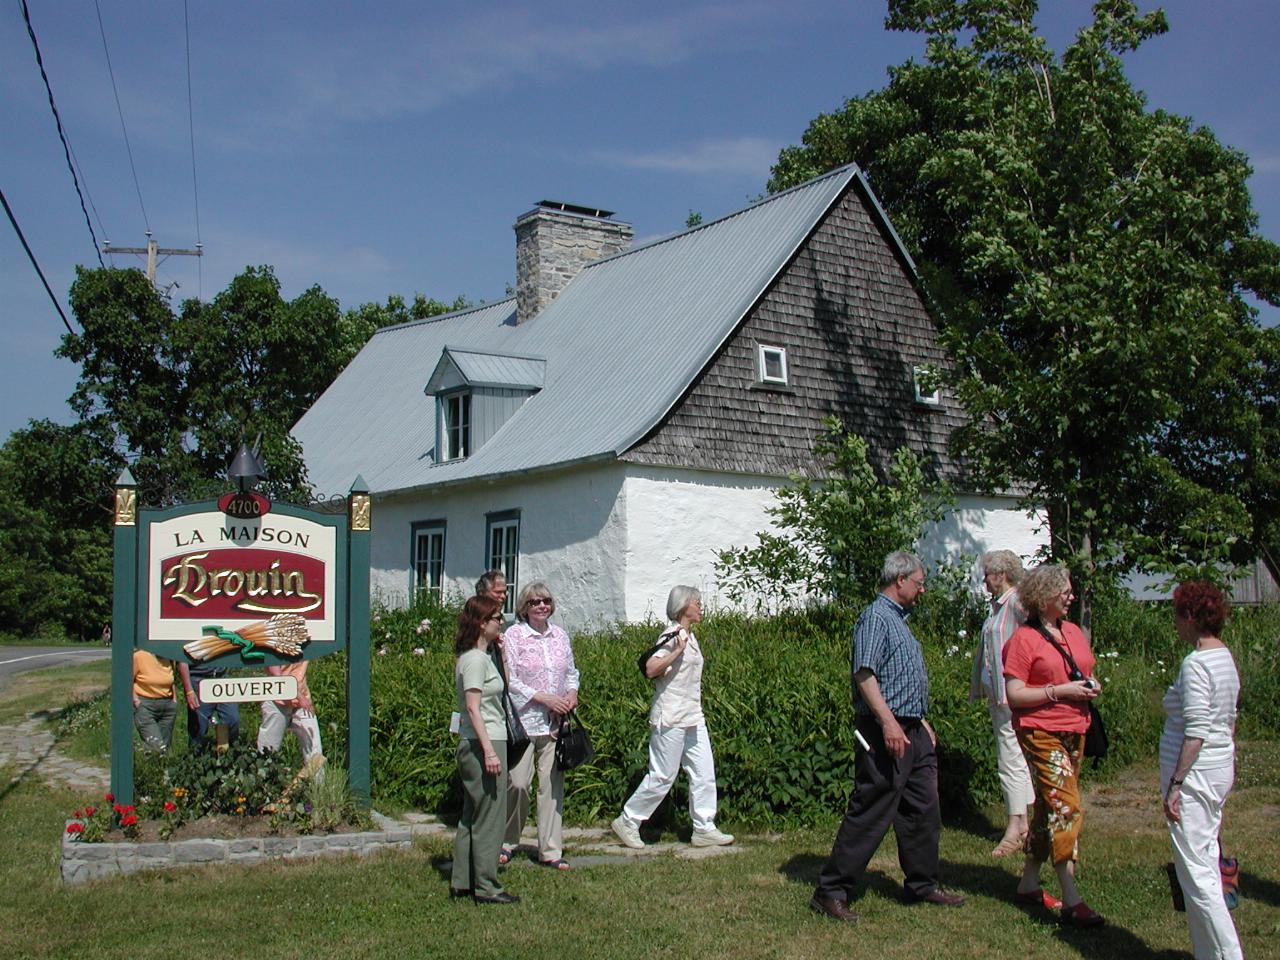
(540, 602)
(496, 618)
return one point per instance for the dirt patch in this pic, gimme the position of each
(1130, 801)
(220, 827)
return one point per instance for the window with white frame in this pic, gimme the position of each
(427, 558)
(771, 365)
(455, 426)
(927, 388)
(502, 550)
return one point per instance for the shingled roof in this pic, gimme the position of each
(621, 343)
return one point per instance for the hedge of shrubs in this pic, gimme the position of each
(777, 699)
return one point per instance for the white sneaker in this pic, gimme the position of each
(629, 835)
(711, 838)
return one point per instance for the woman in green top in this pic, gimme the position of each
(482, 753)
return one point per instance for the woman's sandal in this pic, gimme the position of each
(1081, 916)
(1009, 845)
(560, 864)
(1038, 898)
(504, 857)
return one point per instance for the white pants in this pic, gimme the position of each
(1195, 857)
(542, 749)
(303, 723)
(670, 748)
(1015, 778)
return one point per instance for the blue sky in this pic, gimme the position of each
(389, 147)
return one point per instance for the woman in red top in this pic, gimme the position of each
(1049, 702)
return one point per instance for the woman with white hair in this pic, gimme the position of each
(677, 730)
(1001, 574)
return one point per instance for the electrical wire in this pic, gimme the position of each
(89, 196)
(191, 127)
(120, 110)
(66, 148)
(32, 257)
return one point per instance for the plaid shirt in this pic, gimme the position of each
(883, 644)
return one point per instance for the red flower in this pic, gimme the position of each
(118, 808)
(75, 828)
(129, 809)
(78, 814)
(88, 811)
(110, 797)
(170, 806)
(128, 821)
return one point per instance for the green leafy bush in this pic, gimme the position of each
(777, 699)
(238, 781)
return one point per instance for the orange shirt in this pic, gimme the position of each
(152, 676)
(1031, 658)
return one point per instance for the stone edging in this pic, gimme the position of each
(82, 862)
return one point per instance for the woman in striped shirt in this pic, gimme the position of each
(1197, 764)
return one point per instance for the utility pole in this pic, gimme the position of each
(151, 252)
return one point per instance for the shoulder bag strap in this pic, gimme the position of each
(1071, 663)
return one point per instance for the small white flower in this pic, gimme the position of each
(952, 650)
(382, 651)
(962, 634)
(1159, 663)
(377, 618)
(425, 624)
(418, 652)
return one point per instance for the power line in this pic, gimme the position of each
(120, 110)
(32, 257)
(191, 127)
(31, 32)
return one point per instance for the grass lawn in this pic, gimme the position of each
(749, 904)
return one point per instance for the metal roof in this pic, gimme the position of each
(622, 342)
(482, 369)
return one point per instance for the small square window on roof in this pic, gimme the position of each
(927, 388)
(771, 365)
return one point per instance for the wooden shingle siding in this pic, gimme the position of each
(854, 327)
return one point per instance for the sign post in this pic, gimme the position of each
(240, 582)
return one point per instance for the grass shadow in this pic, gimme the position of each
(1254, 887)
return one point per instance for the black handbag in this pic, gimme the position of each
(1096, 741)
(517, 739)
(573, 745)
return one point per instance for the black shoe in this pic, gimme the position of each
(830, 907)
(455, 893)
(939, 897)
(502, 897)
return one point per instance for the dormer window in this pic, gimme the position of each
(455, 432)
(927, 389)
(772, 365)
(475, 394)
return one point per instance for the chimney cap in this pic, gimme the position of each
(575, 208)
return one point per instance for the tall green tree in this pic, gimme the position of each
(178, 393)
(1091, 262)
(55, 540)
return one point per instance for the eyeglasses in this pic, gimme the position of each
(539, 601)
(919, 583)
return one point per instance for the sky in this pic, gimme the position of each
(388, 147)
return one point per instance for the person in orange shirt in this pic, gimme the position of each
(155, 702)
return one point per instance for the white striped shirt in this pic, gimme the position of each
(1202, 704)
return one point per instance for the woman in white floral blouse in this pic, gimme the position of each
(543, 681)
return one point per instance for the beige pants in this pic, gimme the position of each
(542, 751)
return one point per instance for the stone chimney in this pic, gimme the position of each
(554, 241)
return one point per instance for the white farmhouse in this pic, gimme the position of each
(631, 410)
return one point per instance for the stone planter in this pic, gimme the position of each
(82, 862)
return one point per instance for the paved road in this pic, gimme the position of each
(15, 659)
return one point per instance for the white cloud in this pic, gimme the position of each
(746, 156)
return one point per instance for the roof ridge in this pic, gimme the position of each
(808, 184)
(435, 318)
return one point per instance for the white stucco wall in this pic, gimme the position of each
(572, 535)
(978, 524)
(677, 520)
(612, 539)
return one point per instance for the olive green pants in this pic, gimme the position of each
(484, 818)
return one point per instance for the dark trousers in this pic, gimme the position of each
(902, 793)
(198, 722)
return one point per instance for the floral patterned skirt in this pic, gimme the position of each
(1054, 761)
